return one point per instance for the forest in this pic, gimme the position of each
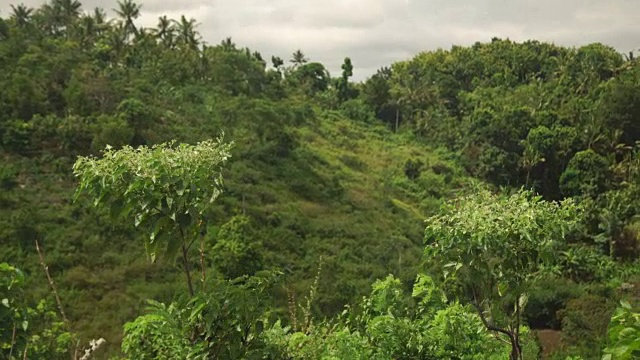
(165, 198)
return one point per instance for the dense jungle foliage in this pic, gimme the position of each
(164, 198)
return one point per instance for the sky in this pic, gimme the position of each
(376, 33)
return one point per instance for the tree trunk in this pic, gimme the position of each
(185, 258)
(516, 350)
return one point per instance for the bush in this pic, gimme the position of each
(586, 175)
(236, 251)
(585, 264)
(547, 297)
(113, 131)
(16, 135)
(357, 110)
(8, 175)
(585, 321)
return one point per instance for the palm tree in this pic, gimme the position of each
(298, 58)
(70, 9)
(87, 27)
(186, 32)
(50, 18)
(128, 11)
(99, 16)
(165, 31)
(21, 15)
(116, 39)
(100, 21)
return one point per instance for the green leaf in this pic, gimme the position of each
(5, 302)
(523, 300)
(25, 325)
(169, 201)
(628, 333)
(172, 247)
(184, 220)
(502, 288)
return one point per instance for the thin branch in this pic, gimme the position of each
(24, 355)
(486, 323)
(51, 283)
(185, 258)
(191, 243)
(202, 267)
(13, 340)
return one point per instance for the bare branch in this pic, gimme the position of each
(51, 283)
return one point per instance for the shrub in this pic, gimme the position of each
(547, 297)
(585, 321)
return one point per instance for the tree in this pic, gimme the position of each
(376, 93)
(21, 15)
(344, 91)
(4, 30)
(165, 31)
(164, 188)
(587, 174)
(490, 249)
(99, 16)
(186, 33)
(298, 59)
(228, 44)
(128, 10)
(277, 63)
(69, 11)
(311, 78)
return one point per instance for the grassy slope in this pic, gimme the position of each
(340, 194)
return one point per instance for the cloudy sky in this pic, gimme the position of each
(375, 33)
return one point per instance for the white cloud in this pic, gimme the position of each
(375, 33)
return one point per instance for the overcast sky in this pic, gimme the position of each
(375, 33)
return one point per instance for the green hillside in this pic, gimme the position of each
(341, 195)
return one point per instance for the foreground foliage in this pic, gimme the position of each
(493, 248)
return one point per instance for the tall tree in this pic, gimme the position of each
(186, 33)
(298, 58)
(277, 62)
(344, 90)
(128, 10)
(165, 31)
(99, 15)
(69, 9)
(21, 15)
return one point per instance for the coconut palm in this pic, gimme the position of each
(128, 11)
(70, 9)
(186, 32)
(298, 58)
(165, 31)
(21, 15)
